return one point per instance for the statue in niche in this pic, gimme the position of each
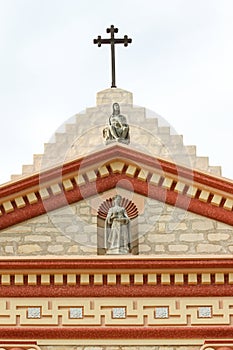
(117, 229)
(117, 129)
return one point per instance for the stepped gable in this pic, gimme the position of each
(83, 136)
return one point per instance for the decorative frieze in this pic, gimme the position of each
(124, 311)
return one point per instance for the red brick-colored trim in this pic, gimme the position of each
(118, 152)
(142, 291)
(103, 184)
(114, 264)
(180, 332)
(144, 266)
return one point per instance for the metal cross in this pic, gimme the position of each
(112, 41)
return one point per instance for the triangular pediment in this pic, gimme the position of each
(152, 177)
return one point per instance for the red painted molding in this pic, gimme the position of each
(104, 184)
(143, 291)
(101, 185)
(159, 332)
(112, 264)
(117, 152)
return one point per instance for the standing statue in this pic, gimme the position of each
(118, 129)
(117, 229)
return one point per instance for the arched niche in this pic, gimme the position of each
(132, 213)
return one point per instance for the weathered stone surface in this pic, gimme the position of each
(85, 211)
(56, 248)
(62, 239)
(29, 249)
(162, 227)
(218, 236)
(21, 228)
(178, 248)
(9, 249)
(12, 238)
(208, 248)
(73, 228)
(159, 248)
(87, 250)
(203, 225)
(73, 249)
(43, 219)
(45, 229)
(144, 248)
(37, 238)
(153, 237)
(191, 237)
(181, 226)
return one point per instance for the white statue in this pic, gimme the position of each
(118, 129)
(117, 229)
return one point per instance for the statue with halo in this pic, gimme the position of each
(117, 229)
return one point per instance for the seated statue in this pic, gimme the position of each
(118, 129)
(117, 229)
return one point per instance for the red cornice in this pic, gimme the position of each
(158, 332)
(103, 184)
(112, 153)
(117, 291)
(138, 263)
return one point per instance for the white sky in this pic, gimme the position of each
(179, 65)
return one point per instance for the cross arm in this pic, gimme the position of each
(101, 41)
(124, 41)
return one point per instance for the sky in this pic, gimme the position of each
(179, 65)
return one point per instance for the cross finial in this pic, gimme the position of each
(99, 41)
